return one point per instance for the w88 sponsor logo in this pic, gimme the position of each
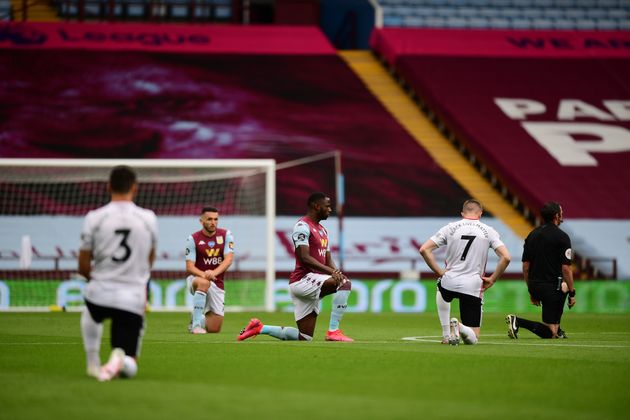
(213, 261)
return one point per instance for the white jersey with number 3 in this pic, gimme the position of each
(467, 242)
(120, 236)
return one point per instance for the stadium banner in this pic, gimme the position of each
(402, 296)
(392, 43)
(372, 244)
(223, 39)
(543, 130)
(155, 104)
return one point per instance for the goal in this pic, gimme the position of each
(43, 202)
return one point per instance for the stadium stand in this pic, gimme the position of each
(508, 14)
(6, 11)
(573, 147)
(138, 10)
(548, 70)
(277, 99)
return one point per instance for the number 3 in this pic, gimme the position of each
(123, 244)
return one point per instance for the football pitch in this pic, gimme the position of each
(380, 376)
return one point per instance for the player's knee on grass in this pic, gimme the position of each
(469, 334)
(130, 368)
(213, 323)
(470, 339)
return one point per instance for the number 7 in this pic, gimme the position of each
(470, 240)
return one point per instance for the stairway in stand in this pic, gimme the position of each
(381, 83)
(37, 11)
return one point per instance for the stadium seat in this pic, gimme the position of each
(586, 3)
(618, 13)
(521, 23)
(575, 13)
(606, 24)
(596, 13)
(456, 22)
(392, 20)
(585, 24)
(554, 13)
(542, 24)
(445, 12)
(489, 12)
(520, 14)
(499, 23)
(135, 8)
(563, 24)
(435, 22)
(532, 13)
(469, 11)
(478, 23)
(413, 21)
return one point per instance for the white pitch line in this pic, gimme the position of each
(434, 339)
(39, 344)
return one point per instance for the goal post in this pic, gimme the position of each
(43, 203)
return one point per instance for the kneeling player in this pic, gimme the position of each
(315, 276)
(120, 237)
(467, 243)
(209, 253)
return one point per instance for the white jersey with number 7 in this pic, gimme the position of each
(467, 243)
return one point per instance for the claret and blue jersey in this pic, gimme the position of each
(208, 252)
(315, 236)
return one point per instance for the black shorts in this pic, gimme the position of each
(469, 306)
(552, 301)
(127, 327)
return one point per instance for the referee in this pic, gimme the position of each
(547, 272)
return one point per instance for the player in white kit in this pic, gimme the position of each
(467, 243)
(120, 239)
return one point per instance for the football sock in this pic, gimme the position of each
(339, 306)
(444, 313)
(92, 333)
(130, 367)
(538, 328)
(282, 333)
(467, 334)
(199, 302)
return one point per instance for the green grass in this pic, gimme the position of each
(42, 371)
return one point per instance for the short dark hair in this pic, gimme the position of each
(470, 204)
(314, 198)
(121, 179)
(549, 210)
(210, 209)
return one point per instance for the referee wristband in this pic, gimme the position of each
(572, 293)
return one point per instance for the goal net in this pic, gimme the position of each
(43, 203)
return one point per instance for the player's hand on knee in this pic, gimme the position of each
(534, 301)
(339, 278)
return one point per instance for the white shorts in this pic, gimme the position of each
(215, 299)
(305, 294)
